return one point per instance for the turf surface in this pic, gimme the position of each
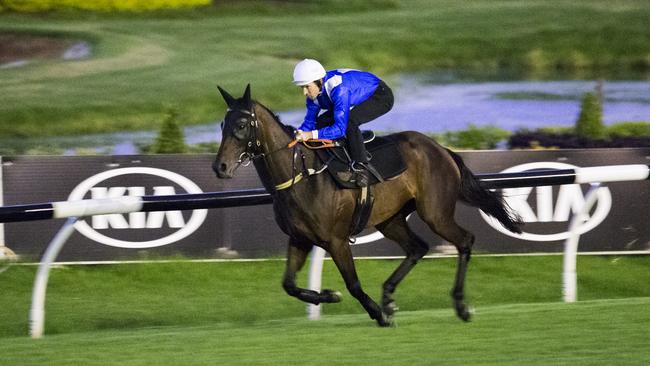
(133, 296)
(598, 332)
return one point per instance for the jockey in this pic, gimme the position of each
(349, 98)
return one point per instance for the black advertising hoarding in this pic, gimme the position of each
(618, 221)
(203, 233)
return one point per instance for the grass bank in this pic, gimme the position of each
(133, 296)
(143, 64)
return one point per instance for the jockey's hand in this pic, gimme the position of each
(304, 135)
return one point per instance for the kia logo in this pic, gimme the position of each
(137, 220)
(541, 208)
(540, 205)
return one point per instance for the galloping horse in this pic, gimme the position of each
(311, 210)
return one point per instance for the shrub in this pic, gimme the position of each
(557, 129)
(525, 139)
(478, 138)
(98, 5)
(590, 122)
(536, 59)
(629, 129)
(170, 139)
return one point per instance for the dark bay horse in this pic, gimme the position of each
(311, 210)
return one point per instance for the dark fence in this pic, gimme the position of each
(250, 232)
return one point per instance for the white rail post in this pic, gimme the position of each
(315, 279)
(37, 311)
(569, 272)
(5, 252)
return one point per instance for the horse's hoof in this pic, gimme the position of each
(390, 309)
(330, 296)
(464, 312)
(385, 320)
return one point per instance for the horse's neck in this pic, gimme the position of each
(271, 133)
(278, 165)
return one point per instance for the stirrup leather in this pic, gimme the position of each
(362, 210)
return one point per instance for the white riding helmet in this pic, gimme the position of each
(306, 71)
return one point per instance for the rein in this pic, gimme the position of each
(254, 145)
(298, 177)
(324, 143)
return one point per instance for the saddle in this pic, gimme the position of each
(384, 163)
(385, 160)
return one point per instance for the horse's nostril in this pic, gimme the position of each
(222, 167)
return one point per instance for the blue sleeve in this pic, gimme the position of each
(309, 123)
(341, 99)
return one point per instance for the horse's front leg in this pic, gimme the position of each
(296, 257)
(342, 256)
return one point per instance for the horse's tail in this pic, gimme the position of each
(491, 202)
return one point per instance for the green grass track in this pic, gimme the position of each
(132, 296)
(236, 313)
(598, 332)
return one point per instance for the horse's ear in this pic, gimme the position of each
(247, 97)
(230, 101)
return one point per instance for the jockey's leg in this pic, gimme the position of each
(379, 103)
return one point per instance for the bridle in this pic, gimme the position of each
(253, 144)
(254, 149)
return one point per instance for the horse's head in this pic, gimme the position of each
(238, 138)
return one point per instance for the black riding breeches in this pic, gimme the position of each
(379, 103)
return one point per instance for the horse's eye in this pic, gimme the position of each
(242, 126)
(221, 125)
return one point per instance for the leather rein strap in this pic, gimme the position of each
(306, 172)
(254, 145)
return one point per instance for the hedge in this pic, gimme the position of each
(538, 139)
(97, 5)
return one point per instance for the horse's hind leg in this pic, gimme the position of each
(296, 258)
(458, 292)
(463, 241)
(440, 218)
(397, 230)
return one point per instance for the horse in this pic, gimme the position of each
(312, 210)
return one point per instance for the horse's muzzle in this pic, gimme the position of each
(222, 170)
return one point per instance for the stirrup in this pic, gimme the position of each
(368, 168)
(361, 166)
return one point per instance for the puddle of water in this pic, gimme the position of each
(14, 64)
(510, 105)
(78, 51)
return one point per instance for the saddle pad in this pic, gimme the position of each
(385, 158)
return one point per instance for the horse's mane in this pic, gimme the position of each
(289, 130)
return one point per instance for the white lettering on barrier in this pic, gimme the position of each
(570, 200)
(137, 220)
